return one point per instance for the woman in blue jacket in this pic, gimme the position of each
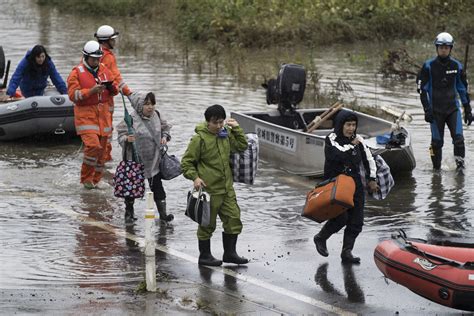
(32, 74)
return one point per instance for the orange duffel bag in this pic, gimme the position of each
(330, 198)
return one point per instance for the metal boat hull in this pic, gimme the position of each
(284, 143)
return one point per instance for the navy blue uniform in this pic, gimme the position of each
(442, 84)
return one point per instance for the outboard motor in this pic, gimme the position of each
(288, 89)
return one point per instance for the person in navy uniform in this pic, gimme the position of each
(442, 84)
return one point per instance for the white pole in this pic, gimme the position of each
(150, 243)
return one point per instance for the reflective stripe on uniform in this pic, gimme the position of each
(87, 127)
(107, 129)
(91, 161)
(77, 95)
(99, 168)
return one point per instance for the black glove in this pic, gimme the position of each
(467, 114)
(429, 116)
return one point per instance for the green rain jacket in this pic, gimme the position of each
(207, 157)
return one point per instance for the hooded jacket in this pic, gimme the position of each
(344, 157)
(148, 132)
(31, 85)
(208, 157)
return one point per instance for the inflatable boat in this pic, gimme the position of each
(442, 272)
(48, 115)
(40, 115)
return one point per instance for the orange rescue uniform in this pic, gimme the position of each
(91, 117)
(109, 60)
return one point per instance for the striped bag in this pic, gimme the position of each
(384, 178)
(244, 164)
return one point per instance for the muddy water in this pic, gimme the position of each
(44, 233)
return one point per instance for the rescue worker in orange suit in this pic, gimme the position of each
(106, 36)
(91, 88)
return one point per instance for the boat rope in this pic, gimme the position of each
(429, 256)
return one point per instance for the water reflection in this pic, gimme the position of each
(132, 245)
(163, 229)
(447, 209)
(102, 261)
(353, 290)
(399, 209)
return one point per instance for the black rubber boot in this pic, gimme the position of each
(347, 246)
(321, 245)
(205, 256)
(459, 162)
(230, 255)
(320, 238)
(161, 206)
(436, 157)
(129, 210)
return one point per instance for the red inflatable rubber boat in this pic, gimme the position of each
(441, 272)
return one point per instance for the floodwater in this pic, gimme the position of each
(56, 236)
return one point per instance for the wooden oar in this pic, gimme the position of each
(319, 117)
(330, 112)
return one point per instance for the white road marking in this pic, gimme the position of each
(141, 241)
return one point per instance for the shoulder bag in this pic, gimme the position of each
(129, 177)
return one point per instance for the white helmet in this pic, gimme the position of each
(105, 32)
(444, 38)
(92, 49)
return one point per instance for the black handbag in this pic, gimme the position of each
(170, 167)
(198, 207)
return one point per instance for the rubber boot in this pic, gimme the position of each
(129, 211)
(230, 255)
(161, 206)
(321, 237)
(436, 157)
(459, 162)
(347, 246)
(321, 245)
(205, 256)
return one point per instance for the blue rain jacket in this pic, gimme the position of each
(31, 85)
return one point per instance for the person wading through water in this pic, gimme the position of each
(107, 37)
(150, 133)
(344, 151)
(90, 88)
(440, 81)
(207, 163)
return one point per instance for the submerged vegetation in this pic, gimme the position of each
(100, 7)
(261, 23)
(265, 23)
(250, 39)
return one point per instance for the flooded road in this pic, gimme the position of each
(62, 243)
